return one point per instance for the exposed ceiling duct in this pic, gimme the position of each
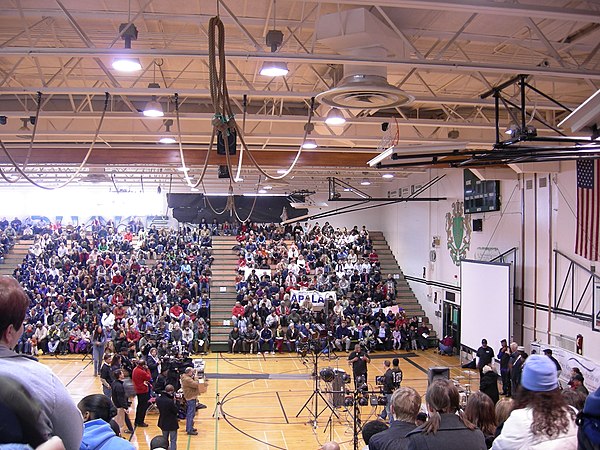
(359, 33)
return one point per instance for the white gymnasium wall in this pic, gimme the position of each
(82, 202)
(549, 223)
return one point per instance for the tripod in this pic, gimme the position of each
(313, 400)
(217, 412)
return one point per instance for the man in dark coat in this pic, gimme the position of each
(359, 359)
(517, 359)
(167, 419)
(504, 358)
(405, 405)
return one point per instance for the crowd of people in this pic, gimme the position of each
(538, 415)
(93, 291)
(131, 298)
(275, 263)
(131, 315)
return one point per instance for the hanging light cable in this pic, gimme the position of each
(153, 107)
(274, 40)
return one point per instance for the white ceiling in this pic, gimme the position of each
(445, 54)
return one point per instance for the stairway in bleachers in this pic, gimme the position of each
(405, 297)
(15, 257)
(222, 290)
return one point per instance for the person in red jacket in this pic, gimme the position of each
(236, 311)
(176, 311)
(141, 378)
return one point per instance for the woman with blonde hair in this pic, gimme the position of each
(503, 409)
(447, 427)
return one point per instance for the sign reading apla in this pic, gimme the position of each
(317, 298)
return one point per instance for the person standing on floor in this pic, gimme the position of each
(191, 389)
(167, 419)
(142, 379)
(98, 344)
(106, 376)
(504, 358)
(392, 378)
(485, 356)
(359, 359)
(119, 399)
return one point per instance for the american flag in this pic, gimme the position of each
(588, 209)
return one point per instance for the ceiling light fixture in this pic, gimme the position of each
(274, 39)
(25, 128)
(387, 176)
(281, 171)
(168, 137)
(309, 143)
(511, 129)
(153, 107)
(125, 63)
(262, 191)
(274, 69)
(365, 182)
(335, 117)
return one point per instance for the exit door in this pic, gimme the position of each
(451, 322)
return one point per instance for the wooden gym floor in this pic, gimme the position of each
(261, 397)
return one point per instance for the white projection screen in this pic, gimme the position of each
(485, 309)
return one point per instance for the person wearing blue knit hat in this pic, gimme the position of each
(541, 418)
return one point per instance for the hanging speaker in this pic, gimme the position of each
(227, 140)
(437, 373)
(223, 172)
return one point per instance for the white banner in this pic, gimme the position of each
(259, 272)
(316, 297)
(589, 369)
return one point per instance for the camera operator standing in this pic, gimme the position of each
(392, 378)
(191, 389)
(359, 359)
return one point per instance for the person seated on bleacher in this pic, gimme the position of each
(291, 337)
(234, 339)
(343, 336)
(266, 337)
(250, 342)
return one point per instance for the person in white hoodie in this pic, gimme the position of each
(541, 419)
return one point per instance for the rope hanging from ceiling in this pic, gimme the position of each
(72, 176)
(224, 118)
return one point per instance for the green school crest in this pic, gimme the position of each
(458, 232)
